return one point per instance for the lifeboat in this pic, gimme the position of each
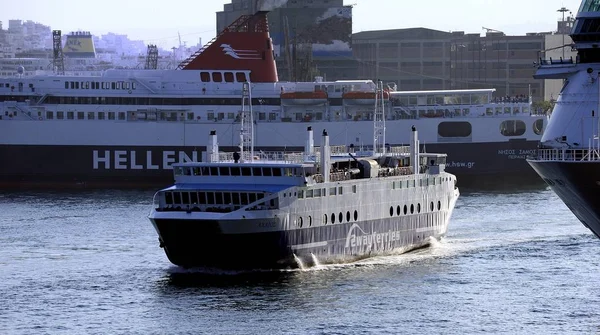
(362, 98)
(304, 98)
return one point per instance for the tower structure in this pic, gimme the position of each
(58, 60)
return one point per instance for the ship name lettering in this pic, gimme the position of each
(506, 152)
(130, 160)
(354, 240)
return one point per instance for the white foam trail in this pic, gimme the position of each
(300, 263)
(315, 261)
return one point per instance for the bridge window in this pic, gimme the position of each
(454, 129)
(512, 128)
(210, 198)
(176, 197)
(224, 170)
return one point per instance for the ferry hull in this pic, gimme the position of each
(48, 166)
(205, 243)
(577, 184)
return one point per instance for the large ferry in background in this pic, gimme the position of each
(127, 127)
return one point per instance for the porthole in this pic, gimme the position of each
(418, 208)
(398, 210)
(391, 211)
(439, 205)
(405, 209)
(332, 218)
(355, 215)
(310, 221)
(341, 217)
(325, 219)
(348, 216)
(431, 206)
(300, 222)
(412, 209)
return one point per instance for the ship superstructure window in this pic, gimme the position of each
(512, 128)
(80, 115)
(240, 77)
(455, 129)
(91, 116)
(121, 115)
(590, 6)
(111, 115)
(538, 127)
(70, 115)
(205, 77)
(49, 115)
(60, 115)
(217, 77)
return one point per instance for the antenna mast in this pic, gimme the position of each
(379, 120)
(246, 125)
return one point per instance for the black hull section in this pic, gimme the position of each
(149, 166)
(577, 184)
(201, 243)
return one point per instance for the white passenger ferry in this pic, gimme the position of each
(254, 209)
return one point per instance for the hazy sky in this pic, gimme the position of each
(160, 22)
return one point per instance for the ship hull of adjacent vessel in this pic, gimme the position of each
(577, 184)
(212, 244)
(148, 166)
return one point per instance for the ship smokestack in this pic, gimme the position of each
(414, 150)
(325, 157)
(309, 147)
(213, 147)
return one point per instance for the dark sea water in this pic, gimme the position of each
(88, 262)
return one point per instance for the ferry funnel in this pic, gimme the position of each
(243, 46)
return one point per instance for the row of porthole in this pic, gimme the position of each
(327, 219)
(412, 208)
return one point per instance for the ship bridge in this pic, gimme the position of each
(586, 32)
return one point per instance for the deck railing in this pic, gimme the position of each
(567, 155)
